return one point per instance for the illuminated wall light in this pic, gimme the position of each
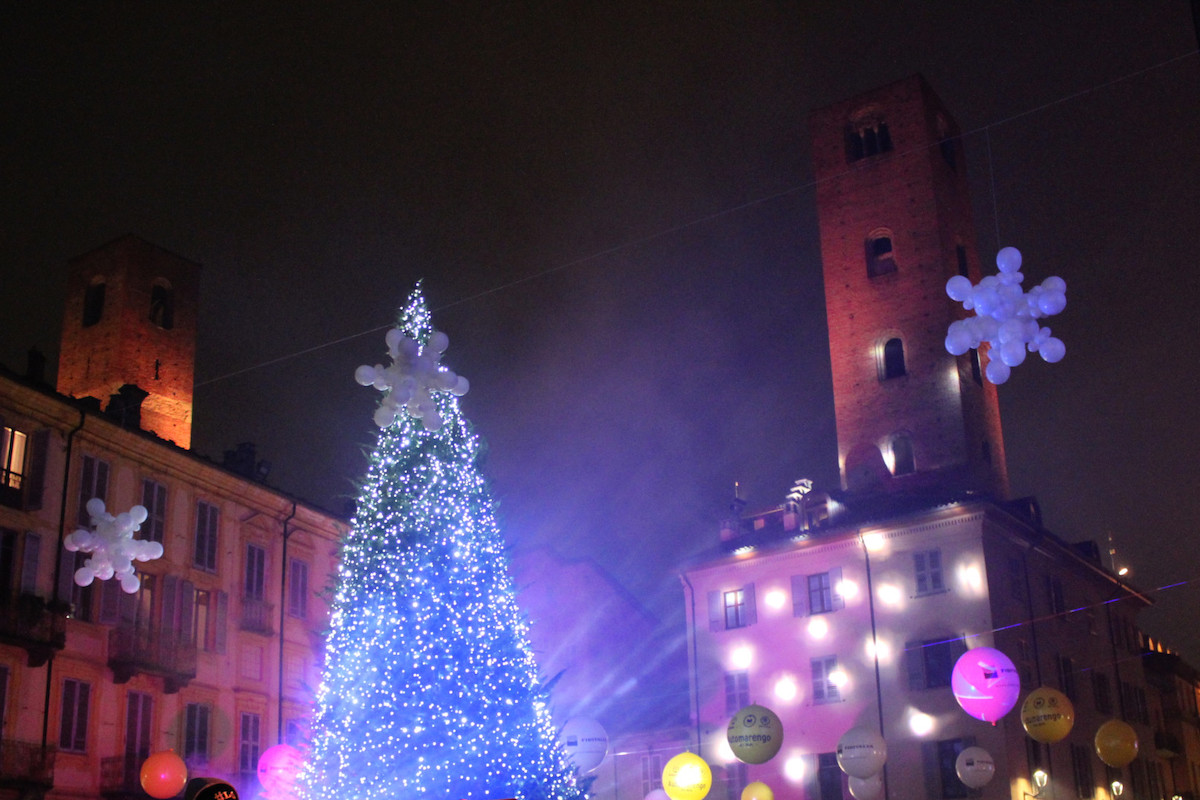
(839, 678)
(920, 724)
(879, 648)
(793, 769)
(785, 689)
(724, 753)
(775, 599)
(970, 578)
(874, 542)
(741, 657)
(847, 588)
(890, 595)
(818, 627)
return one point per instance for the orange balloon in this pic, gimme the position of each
(1116, 743)
(164, 775)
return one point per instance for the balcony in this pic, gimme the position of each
(26, 767)
(1166, 745)
(152, 651)
(257, 616)
(120, 778)
(26, 622)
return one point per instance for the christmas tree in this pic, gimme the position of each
(430, 687)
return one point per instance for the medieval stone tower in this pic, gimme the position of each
(130, 321)
(895, 222)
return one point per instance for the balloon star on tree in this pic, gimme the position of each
(430, 688)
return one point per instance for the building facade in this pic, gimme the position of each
(217, 655)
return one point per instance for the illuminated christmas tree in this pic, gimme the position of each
(430, 687)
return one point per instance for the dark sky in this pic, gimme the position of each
(612, 208)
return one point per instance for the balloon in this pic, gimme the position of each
(975, 767)
(585, 742)
(997, 371)
(1116, 743)
(278, 767)
(163, 774)
(755, 734)
(861, 752)
(1008, 259)
(1053, 350)
(364, 375)
(985, 683)
(1012, 353)
(84, 576)
(866, 788)
(657, 794)
(959, 288)
(1047, 715)
(756, 790)
(210, 789)
(687, 777)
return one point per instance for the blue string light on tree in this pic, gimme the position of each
(1006, 316)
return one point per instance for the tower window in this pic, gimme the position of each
(866, 140)
(961, 253)
(903, 462)
(162, 305)
(892, 363)
(881, 258)
(93, 302)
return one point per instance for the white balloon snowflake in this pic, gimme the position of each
(112, 546)
(409, 381)
(1006, 317)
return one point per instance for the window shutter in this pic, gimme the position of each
(167, 621)
(187, 600)
(110, 602)
(66, 576)
(222, 601)
(35, 474)
(835, 578)
(933, 775)
(799, 592)
(716, 612)
(914, 661)
(751, 611)
(29, 562)
(957, 648)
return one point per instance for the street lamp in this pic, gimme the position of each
(1040, 777)
(1118, 788)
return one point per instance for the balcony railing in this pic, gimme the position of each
(26, 622)
(257, 616)
(152, 651)
(26, 764)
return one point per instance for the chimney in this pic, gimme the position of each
(125, 407)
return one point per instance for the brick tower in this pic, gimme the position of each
(895, 222)
(130, 321)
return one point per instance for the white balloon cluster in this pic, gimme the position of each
(409, 381)
(1006, 317)
(112, 546)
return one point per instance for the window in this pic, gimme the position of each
(976, 370)
(829, 777)
(891, 365)
(256, 572)
(931, 662)
(19, 553)
(652, 768)
(93, 482)
(822, 592)
(1016, 579)
(206, 537)
(1081, 768)
(881, 259)
(1054, 590)
(93, 302)
(737, 691)
(903, 462)
(248, 749)
(162, 305)
(211, 620)
(298, 589)
(294, 734)
(731, 608)
(735, 778)
(12, 465)
(196, 721)
(945, 754)
(72, 730)
(1066, 677)
(825, 680)
(139, 708)
(867, 135)
(927, 568)
(154, 498)
(960, 254)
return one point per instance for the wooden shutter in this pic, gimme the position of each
(222, 620)
(716, 612)
(35, 472)
(29, 562)
(751, 611)
(185, 606)
(835, 577)
(914, 661)
(799, 594)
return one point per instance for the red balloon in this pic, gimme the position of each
(164, 775)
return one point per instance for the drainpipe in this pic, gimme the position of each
(695, 657)
(56, 600)
(874, 648)
(283, 576)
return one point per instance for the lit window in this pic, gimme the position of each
(824, 680)
(735, 608)
(12, 458)
(927, 566)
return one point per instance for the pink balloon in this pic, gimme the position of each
(985, 683)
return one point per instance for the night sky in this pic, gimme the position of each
(612, 208)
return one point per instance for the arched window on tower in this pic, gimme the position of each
(93, 302)
(867, 135)
(903, 462)
(162, 305)
(891, 365)
(881, 256)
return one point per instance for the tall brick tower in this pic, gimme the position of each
(130, 320)
(895, 222)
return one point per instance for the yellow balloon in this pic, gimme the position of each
(1047, 715)
(755, 734)
(757, 791)
(687, 777)
(1116, 743)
